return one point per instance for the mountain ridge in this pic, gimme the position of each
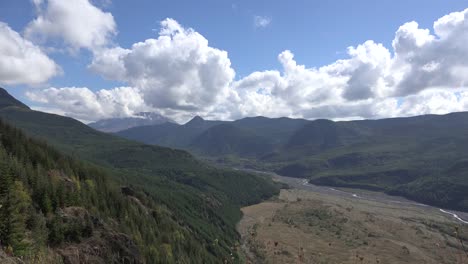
(6, 100)
(404, 155)
(113, 125)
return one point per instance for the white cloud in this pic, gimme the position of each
(179, 74)
(77, 23)
(371, 82)
(430, 61)
(303, 91)
(84, 104)
(262, 21)
(177, 71)
(21, 62)
(434, 101)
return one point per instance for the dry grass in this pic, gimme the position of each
(304, 227)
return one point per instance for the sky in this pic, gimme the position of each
(220, 59)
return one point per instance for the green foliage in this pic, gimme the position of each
(31, 169)
(14, 210)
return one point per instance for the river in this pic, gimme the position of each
(298, 183)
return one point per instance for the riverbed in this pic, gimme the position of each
(319, 224)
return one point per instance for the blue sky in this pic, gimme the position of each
(318, 33)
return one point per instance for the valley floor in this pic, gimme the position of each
(314, 224)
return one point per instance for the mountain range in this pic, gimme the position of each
(123, 123)
(423, 157)
(136, 197)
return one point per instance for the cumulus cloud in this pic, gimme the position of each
(430, 61)
(301, 90)
(423, 70)
(262, 21)
(76, 23)
(178, 70)
(434, 101)
(179, 74)
(22, 62)
(84, 104)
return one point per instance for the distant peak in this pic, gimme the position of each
(257, 117)
(153, 116)
(124, 123)
(196, 119)
(6, 100)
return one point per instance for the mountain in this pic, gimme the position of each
(418, 157)
(6, 100)
(140, 119)
(321, 135)
(228, 139)
(169, 135)
(278, 130)
(199, 205)
(264, 133)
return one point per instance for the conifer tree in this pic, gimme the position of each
(5, 185)
(17, 206)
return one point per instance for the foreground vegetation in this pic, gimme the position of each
(41, 192)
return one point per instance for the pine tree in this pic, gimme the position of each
(17, 206)
(5, 186)
(38, 226)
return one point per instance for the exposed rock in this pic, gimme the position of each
(5, 259)
(74, 212)
(103, 247)
(139, 203)
(128, 191)
(100, 243)
(212, 202)
(60, 176)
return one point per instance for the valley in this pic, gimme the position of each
(422, 158)
(198, 197)
(317, 224)
(233, 132)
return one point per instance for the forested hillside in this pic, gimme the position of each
(179, 208)
(52, 205)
